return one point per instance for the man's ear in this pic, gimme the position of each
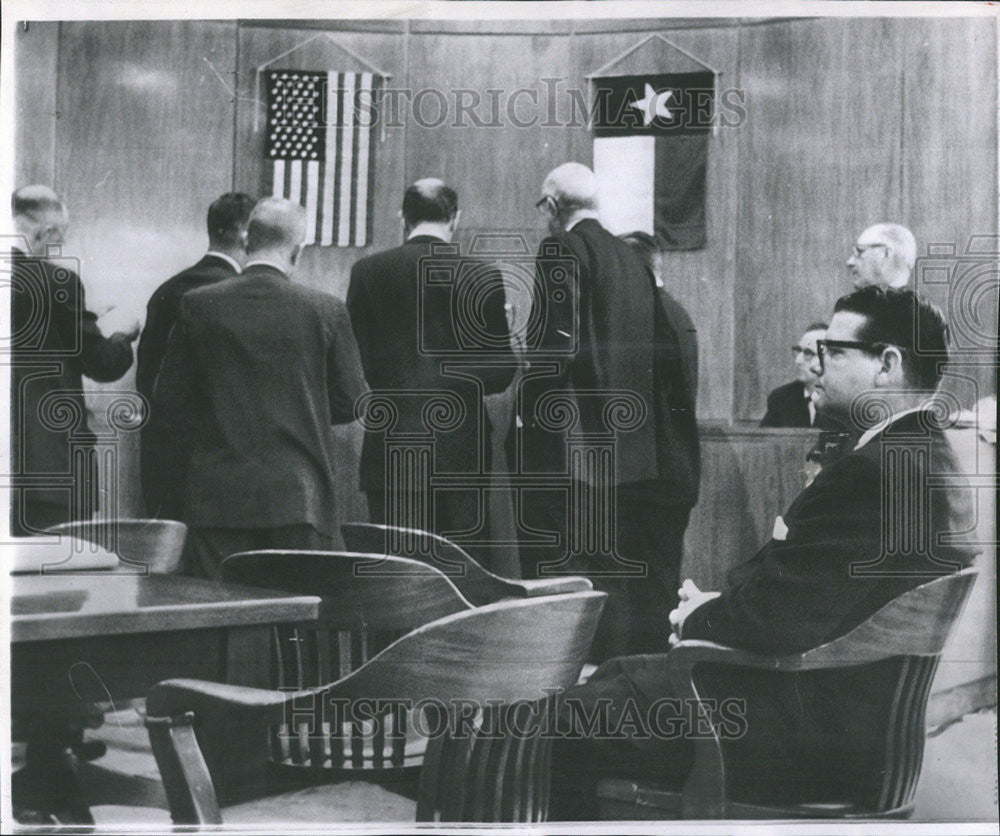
(453, 224)
(891, 369)
(296, 252)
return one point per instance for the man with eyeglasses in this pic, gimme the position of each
(599, 358)
(791, 405)
(868, 528)
(883, 255)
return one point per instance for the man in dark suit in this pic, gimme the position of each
(836, 557)
(256, 371)
(227, 230)
(608, 355)
(55, 341)
(791, 405)
(430, 323)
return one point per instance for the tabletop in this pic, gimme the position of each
(62, 606)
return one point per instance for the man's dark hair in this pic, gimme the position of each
(429, 201)
(905, 319)
(227, 215)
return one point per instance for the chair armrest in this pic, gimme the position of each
(179, 696)
(555, 586)
(210, 741)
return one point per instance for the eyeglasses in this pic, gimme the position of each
(865, 247)
(543, 204)
(808, 353)
(823, 347)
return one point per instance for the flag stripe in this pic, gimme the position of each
(295, 186)
(338, 159)
(278, 179)
(312, 185)
(345, 127)
(329, 179)
(360, 191)
(370, 177)
(625, 168)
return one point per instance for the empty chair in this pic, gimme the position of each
(479, 585)
(156, 544)
(482, 676)
(368, 601)
(913, 627)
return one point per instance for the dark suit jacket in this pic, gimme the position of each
(817, 729)
(616, 334)
(161, 314)
(55, 341)
(412, 308)
(786, 407)
(256, 371)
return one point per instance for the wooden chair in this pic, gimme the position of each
(476, 672)
(914, 626)
(157, 544)
(479, 585)
(368, 601)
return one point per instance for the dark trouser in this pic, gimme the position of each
(454, 511)
(610, 726)
(206, 548)
(641, 579)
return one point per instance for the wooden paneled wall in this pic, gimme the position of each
(141, 124)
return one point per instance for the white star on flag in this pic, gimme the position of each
(653, 105)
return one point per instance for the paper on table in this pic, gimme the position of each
(32, 555)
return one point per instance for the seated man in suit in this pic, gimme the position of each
(791, 405)
(257, 369)
(227, 232)
(835, 558)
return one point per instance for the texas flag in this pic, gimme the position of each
(651, 152)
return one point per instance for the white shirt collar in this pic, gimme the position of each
(869, 434)
(231, 261)
(263, 262)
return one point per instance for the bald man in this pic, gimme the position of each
(256, 371)
(605, 350)
(429, 320)
(55, 342)
(883, 255)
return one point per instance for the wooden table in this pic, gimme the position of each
(107, 637)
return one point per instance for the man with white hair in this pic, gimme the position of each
(55, 342)
(883, 255)
(256, 370)
(603, 351)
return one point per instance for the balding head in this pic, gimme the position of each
(431, 205)
(569, 194)
(276, 231)
(40, 216)
(883, 255)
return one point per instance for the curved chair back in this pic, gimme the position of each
(156, 544)
(913, 627)
(479, 585)
(366, 602)
(483, 677)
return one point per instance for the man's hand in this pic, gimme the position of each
(690, 599)
(119, 320)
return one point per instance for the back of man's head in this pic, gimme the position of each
(573, 186)
(227, 219)
(39, 215)
(903, 318)
(429, 200)
(276, 226)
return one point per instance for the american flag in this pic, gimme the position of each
(320, 144)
